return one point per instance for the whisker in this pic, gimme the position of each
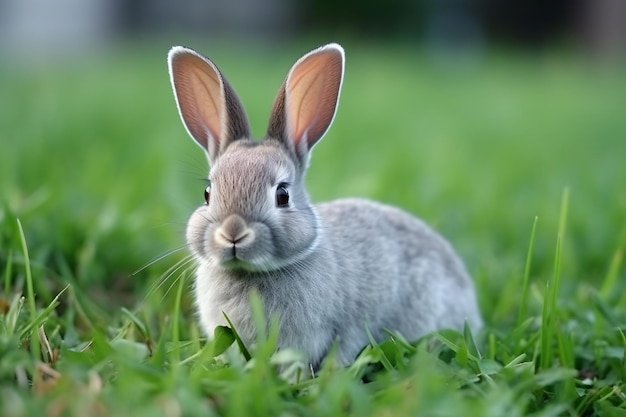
(158, 258)
(172, 269)
(167, 274)
(181, 275)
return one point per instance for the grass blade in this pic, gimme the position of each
(175, 352)
(623, 370)
(8, 273)
(611, 276)
(41, 317)
(552, 286)
(242, 347)
(384, 360)
(471, 343)
(30, 295)
(521, 315)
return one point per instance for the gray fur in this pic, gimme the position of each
(326, 272)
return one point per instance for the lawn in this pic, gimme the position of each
(516, 157)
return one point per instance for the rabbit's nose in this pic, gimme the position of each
(233, 231)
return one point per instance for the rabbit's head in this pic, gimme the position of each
(257, 216)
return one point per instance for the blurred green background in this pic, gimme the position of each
(472, 123)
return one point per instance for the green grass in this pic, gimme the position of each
(517, 158)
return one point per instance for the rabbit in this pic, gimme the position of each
(330, 273)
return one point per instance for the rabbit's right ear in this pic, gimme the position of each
(208, 106)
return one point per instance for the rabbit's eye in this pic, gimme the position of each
(207, 193)
(282, 195)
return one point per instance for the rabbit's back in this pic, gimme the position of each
(400, 273)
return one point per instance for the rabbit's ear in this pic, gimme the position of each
(208, 106)
(307, 101)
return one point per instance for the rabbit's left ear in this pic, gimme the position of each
(307, 101)
(208, 106)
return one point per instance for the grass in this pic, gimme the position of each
(516, 158)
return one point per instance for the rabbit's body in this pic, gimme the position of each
(329, 272)
(344, 286)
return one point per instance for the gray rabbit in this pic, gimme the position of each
(327, 272)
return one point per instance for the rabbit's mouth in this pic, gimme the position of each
(238, 261)
(236, 264)
(236, 257)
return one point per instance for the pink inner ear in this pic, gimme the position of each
(199, 93)
(312, 95)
